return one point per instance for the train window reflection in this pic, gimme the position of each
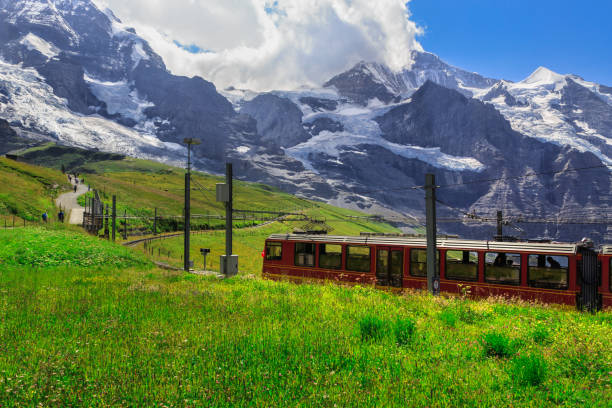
(274, 251)
(304, 254)
(418, 262)
(549, 272)
(462, 265)
(503, 268)
(330, 256)
(358, 258)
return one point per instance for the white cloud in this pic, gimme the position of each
(266, 44)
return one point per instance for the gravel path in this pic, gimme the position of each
(68, 202)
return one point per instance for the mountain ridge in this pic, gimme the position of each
(80, 76)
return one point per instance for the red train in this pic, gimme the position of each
(548, 272)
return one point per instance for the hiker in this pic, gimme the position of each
(45, 216)
(60, 215)
(75, 188)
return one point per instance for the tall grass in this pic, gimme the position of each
(127, 335)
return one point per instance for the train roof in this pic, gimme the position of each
(606, 249)
(446, 243)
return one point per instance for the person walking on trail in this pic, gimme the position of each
(45, 217)
(60, 215)
(75, 188)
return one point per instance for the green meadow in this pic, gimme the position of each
(27, 191)
(89, 323)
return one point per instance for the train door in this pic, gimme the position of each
(589, 274)
(390, 267)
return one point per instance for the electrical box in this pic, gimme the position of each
(222, 192)
(229, 265)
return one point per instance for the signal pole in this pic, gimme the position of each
(433, 274)
(228, 262)
(500, 236)
(189, 142)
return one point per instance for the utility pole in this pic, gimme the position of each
(500, 236)
(433, 274)
(228, 211)
(228, 262)
(114, 215)
(187, 263)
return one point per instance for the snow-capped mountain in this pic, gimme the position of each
(76, 74)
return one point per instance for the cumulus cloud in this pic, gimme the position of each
(266, 44)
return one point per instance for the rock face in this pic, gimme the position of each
(279, 121)
(360, 86)
(79, 76)
(369, 80)
(67, 80)
(8, 138)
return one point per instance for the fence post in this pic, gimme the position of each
(114, 216)
(125, 234)
(155, 223)
(106, 234)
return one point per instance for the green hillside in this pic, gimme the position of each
(141, 186)
(26, 191)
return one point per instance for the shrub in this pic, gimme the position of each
(466, 314)
(448, 317)
(371, 328)
(460, 312)
(498, 345)
(540, 335)
(404, 330)
(528, 369)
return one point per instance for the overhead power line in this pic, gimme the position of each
(527, 175)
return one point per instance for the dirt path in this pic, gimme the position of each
(68, 202)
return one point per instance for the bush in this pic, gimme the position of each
(448, 317)
(498, 345)
(404, 330)
(540, 335)
(371, 328)
(460, 312)
(528, 369)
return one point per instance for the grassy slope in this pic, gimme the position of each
(142, 185)
(97, 336)
(27, 191)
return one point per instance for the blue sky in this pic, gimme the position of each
(510, 38)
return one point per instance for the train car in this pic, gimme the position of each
(547, 272)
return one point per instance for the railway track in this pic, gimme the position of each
(178, 234)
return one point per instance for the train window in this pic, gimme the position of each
(304, 254)
(358, 258)
(503, 268)
(274, 251)
(462, 265)
(549, 272)
(418, 262)
(330, 256)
